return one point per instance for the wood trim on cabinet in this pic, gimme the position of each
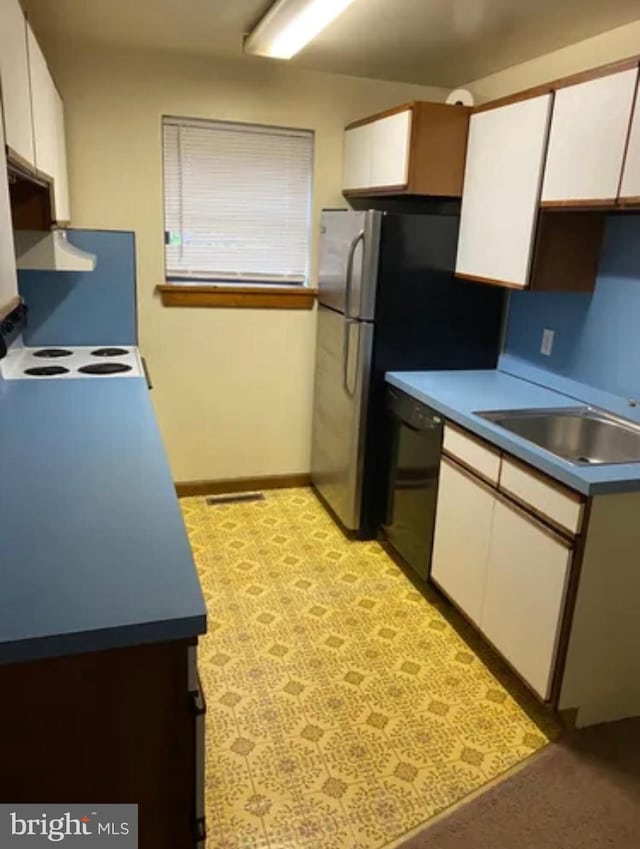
(567, 249)
(187, 489)
(546, 479)
(562, 82)
(9, 307)
(534, 517)
(16, 159)
(387, 113)
(629, 200)
(469, 472)
(438, 147)
(378, 190)
(238, 297)
(491, 281)
(570, 606)
(544, 522)
(578, 203)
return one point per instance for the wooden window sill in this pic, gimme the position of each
(238, 297)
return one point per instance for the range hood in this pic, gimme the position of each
(50, 251)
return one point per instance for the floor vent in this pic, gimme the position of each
(234, 498)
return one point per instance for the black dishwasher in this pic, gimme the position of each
(416, 444)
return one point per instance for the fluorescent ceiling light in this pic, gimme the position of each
(291, 24)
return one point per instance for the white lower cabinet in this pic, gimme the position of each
(524, 596)
(504, 569)
(462, 536)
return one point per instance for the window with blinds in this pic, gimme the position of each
(237, 202)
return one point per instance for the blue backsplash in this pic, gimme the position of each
(597, 337)
(85, 308)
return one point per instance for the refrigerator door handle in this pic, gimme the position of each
(349, 276)
(346, 353)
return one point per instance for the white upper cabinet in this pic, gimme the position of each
(61, 209)
(43, 98)
(524, 594)
(8, 276)
(390, 155)
(376, 154)
(630, 187)
(501, 193)
(14, 76)
(588, 139)
(48, 126)
(358, 150)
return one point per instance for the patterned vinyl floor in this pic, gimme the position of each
(344, 710)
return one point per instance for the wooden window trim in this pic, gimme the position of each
(238, 297)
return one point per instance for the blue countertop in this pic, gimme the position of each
(93, 550)
(458, 395)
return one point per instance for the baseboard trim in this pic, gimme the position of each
(187, 489)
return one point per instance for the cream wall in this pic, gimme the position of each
(232, 388)
(607, 47)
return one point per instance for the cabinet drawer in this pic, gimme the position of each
(472, 453)
(550, 500)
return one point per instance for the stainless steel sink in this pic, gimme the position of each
(582, 435)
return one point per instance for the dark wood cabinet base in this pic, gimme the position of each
(113, 726)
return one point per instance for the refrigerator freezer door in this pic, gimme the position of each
(342, 380)
(347, 273)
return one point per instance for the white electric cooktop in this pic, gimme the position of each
(22, 363)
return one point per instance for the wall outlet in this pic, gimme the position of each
(547, 342)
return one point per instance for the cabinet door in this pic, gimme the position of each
(48, 128)
(524, 596)
(461, 543)
(630, 187)
(357, 157)
(8, 277)
(391, 147)
(61, 210)
(588, 138)
(43, 99)
(14, 78)
(501, 191)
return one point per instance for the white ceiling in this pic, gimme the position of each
(433, 42)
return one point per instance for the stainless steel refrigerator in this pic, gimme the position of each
(388, 300)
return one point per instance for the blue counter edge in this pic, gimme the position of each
(64, 645)
(614, 478)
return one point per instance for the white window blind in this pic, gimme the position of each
(237, 201)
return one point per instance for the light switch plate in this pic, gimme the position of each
(547, 342)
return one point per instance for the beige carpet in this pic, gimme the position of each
(580, 793)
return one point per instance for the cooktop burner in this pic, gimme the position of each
(108, 352)
(46, 371)
(52, 353)
(104, 368)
